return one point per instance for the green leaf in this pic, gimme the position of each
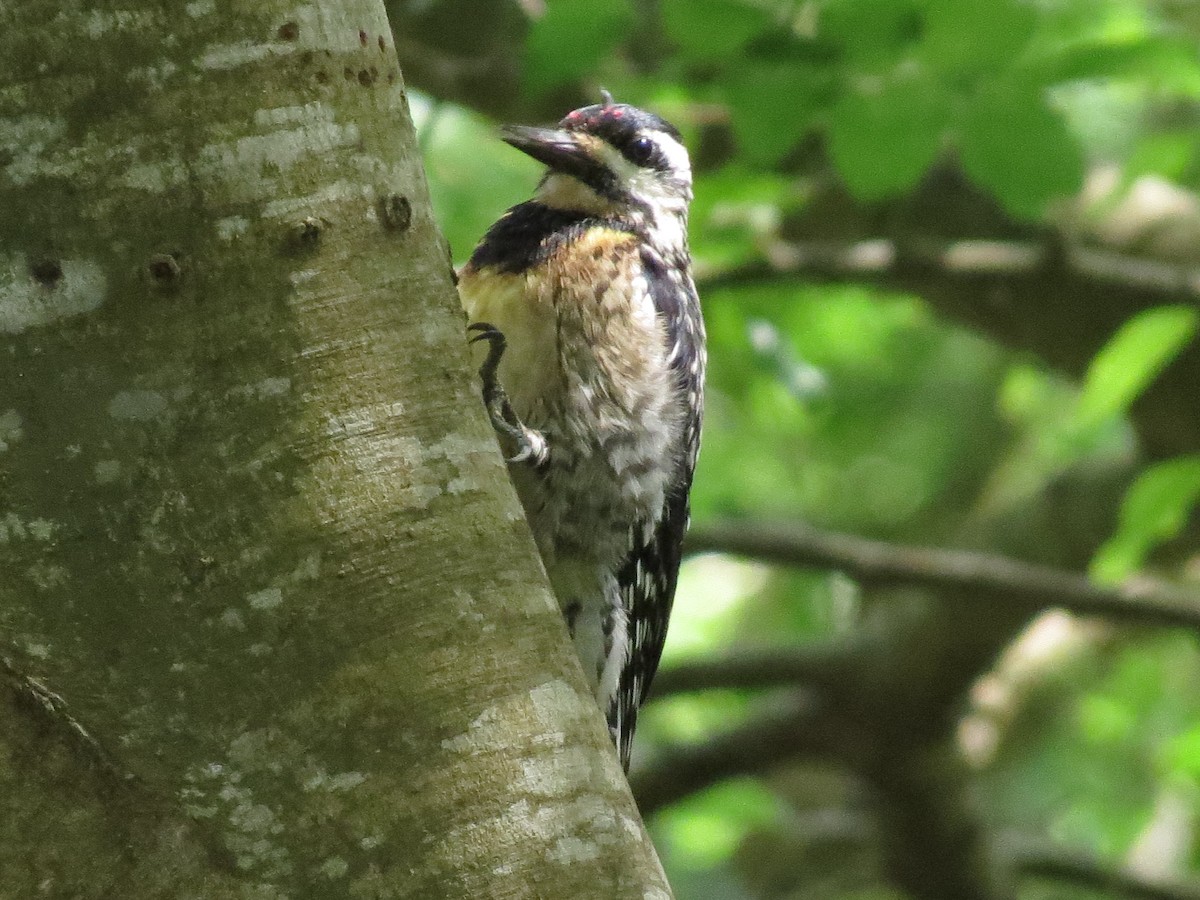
(1132, 359)
(708, 827)
(1167, 61)
(1106, 720)
(1155, 509)
(1129, 57)
(975, 35)
(1182, 754)
(872, 36)
(570, 38)
(1021, 150)
(710, 29)
(882, 142)
(1169, 155)
(772, 105)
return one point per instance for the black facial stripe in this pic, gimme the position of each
(603, 181)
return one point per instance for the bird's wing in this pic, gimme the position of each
(651, 571)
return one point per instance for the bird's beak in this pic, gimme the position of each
(562, 151)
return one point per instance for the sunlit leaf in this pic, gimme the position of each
(1168, 155)
(1105, 719)
(1182, 755)
(708, 827)
(1149, 55)
(1132, 358)
(1155, 509)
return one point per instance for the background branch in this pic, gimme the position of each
(1037, 860)
(970, 574)
(801, 727)
(952, 244)
(910, 263)
(827, 667)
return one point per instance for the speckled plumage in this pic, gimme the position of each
(590, 285)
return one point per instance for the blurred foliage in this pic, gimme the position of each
(858, 409)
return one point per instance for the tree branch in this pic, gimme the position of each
(895, 264)
(952, 245)
(1036, 861)
(891, 721)
(828, 666)
(801, 727)
(974, 574)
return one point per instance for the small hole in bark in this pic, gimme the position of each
(305, 236)
(382, 44)
(288, 31)
(46, 272)
(362, 37)
(397, 212)
(348, 73)
(164, 268)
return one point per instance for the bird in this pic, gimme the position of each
(594, 380)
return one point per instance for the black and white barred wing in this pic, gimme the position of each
(651, 571)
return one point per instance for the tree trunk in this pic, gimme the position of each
(271, 623)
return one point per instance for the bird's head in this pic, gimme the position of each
(608, 158)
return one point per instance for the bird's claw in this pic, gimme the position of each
(533, 448)
(530, 445)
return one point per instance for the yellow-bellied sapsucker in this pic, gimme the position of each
(594, 380)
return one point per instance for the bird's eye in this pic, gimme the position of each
(640, 151)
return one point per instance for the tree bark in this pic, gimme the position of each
(271, 622)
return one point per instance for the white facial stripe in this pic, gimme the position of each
(674, 152)
(616, 162)
(650, 183)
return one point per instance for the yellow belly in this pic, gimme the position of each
(529, 367)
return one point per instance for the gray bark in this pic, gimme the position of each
(271, 622)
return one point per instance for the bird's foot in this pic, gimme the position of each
(529, 445)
